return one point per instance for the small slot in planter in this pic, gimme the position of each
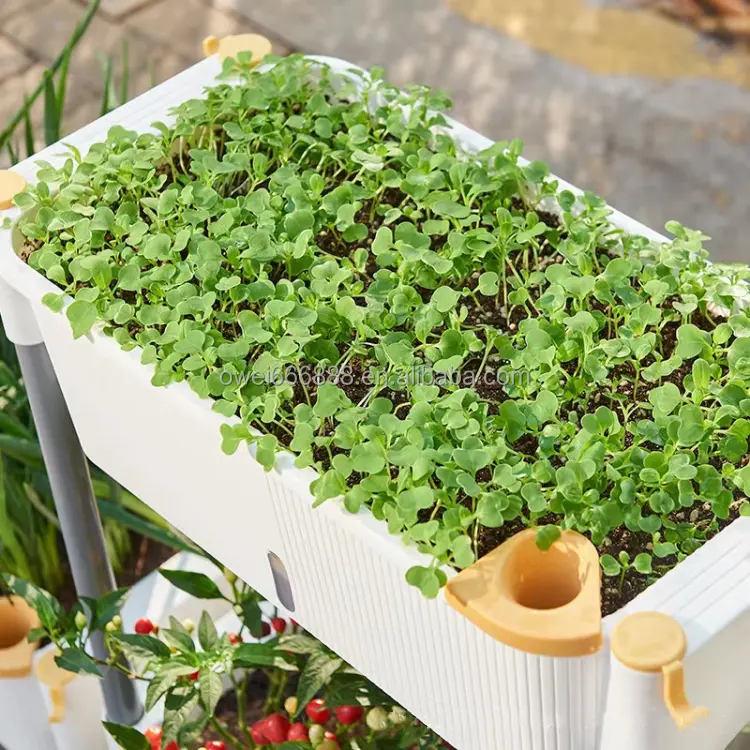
(281, 582)
(540, 602)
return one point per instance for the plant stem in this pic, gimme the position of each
(221, 729)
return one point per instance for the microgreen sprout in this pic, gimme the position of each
(294, 220)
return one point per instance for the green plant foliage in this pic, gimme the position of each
(190, 669)
(287, 221)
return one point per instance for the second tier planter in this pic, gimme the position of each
(512, 655)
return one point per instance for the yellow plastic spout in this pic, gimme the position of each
(231, 46)
(11, 183)
(655, 642)
(55, 679)
(545, 602)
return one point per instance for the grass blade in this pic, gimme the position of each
(28, 131)
(11, 153)
(107, 67)
(51, 113)
(125, 73)
(62, 84)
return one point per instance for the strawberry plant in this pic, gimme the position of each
(327, 264)
(287, 691)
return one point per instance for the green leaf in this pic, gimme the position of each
(666, 397)
(610, 566)
(463, 552)
(211, 689)
(488, 284)
(691, 341)
(82, 316)
(252, 615)
(196, 584)
(142, 646)
(315, 675)
(52, 115)
(127, 738)
(207, 635)
(546, 536)
(428, 580)
(445, 299)
(178, 640)
(76, 661)
(54, 301)
(445, 207)
(642, 563)
(250, 655)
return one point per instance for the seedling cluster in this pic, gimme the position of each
(290, 220)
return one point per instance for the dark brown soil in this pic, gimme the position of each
(145, 557)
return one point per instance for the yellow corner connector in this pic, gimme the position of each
(17, 619)
(11, 184)
(541, 602)
(655, 642)
(231, 46)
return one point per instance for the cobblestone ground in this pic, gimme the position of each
(163, 37)
(657, 149)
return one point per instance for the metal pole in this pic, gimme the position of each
(76, 508)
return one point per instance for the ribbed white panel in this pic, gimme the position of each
(350, 592)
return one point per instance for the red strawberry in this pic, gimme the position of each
(265, 628)
(330, 736)
(279, 624)
(276, 728)
(234, 639)
(317, 712)
(215, 745)
(298, 733)
(349, 714)
(194, 675)
(258, 734)
(172, 746)
(144, 626)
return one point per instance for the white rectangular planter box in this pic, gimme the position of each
(347, 573)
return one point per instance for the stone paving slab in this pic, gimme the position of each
(120, 8)
(44, 31)
(656, 150)
(12, 7)
(190, 21)
(13, 60)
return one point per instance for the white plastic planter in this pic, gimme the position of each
(23, 718)
(346, 573)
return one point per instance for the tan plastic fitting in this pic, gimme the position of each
(17, 620)
(655, 642)
(11, 183)
(231, 46)
(55, 678)
(541, 602)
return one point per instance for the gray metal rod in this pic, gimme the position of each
(70, 481)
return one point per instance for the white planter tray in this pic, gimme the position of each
(347, 573)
